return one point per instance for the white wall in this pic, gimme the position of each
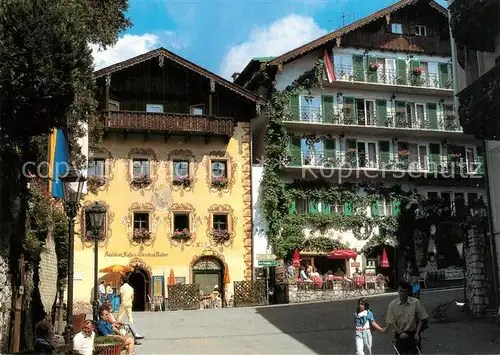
(260, 242)
(293, 70)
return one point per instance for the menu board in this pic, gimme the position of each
(158, 286)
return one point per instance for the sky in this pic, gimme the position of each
(224, 35)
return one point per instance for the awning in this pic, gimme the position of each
(342, 254)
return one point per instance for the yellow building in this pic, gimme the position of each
(173, 172)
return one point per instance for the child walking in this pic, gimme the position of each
(364, 319)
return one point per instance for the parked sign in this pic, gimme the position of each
(267, 263)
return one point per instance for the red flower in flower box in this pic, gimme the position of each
(220, 235)
(184, 234)
(219, 182)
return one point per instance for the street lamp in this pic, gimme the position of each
(72, 183)
(96, 215)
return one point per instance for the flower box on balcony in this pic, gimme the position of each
(219, 182)
(140, 181)
(184, 181)
(373, 66)
(404, 154)
(220, 235)
(417, 71)
(94, 182)
(141, 234)
(184, 234)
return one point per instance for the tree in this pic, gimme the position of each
(46, 80)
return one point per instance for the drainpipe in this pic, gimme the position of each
(251, 200)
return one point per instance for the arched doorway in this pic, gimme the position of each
(208, 271)
(141, 283)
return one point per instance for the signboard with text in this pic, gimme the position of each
(158, 285)
(267, 263)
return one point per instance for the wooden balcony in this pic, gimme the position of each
(474, 23)
(479, 109)
(173, 123)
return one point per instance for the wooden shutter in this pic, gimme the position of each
(445, 75)
(358, 67)
(325, 208)
(374, 208)
(396, 207)
(330, 153)
(327, 103)
(347, 208)
(295, 151)
(434, 156)
(385, 152)
(381, 112)
(294, 107)
(432, 116)
(349, 116)
(293, 208)
(415, 63)
(402, 74)
(372, 75)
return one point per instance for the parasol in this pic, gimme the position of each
(296, 258)
(385, 261)
(342, 254)
(117, 268)
(226, 276)
(171, 278)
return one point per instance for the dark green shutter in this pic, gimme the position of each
(330, 154)
(294, 108)
(402, 74)
(295, 151)
(445, 75)
(374, 208)
(293, 208)
(349, 116)
(325, 208)
(480, 160)
(381, 107)
(358, 67)
(396, 207)
(414, 64)
(432, 116)
(327, 103)
(347, 208)
(434, 156)
(372, 75)
(313, 207)
(385, 154)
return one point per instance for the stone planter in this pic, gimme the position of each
(108, 349)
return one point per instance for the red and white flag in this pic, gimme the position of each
(330, 75)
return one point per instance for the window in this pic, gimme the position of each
(89, 233)
(196, 109)
(140, 167)
(397, 28)
(336, 207)
(385, 207)
(154, 108)
(310, 108)
(97, 167)
(141, 220)
(181, 168)
(219, 168)
(113, 105)
(302, 205)
(342, 65)
(181, 221)
(420, 30)
(220, 221)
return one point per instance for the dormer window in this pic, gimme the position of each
(420, 30)
(196, 109)
(397, 28)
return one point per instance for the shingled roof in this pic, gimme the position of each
(183, 62)
(308, 47)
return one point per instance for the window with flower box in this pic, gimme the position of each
(220, 227)
(219, 173)
(181, 226)
(181, 173)
(141, 226)
(140, 168)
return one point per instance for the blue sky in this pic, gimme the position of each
(222, 35)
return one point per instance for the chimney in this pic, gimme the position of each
(234, 76)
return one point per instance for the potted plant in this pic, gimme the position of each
(373, 66)
(219, 182)
(220, 235)
(350, 156)
(404, 154)
(184, 234)
(140, 181)
(455, 157)
(141, 234)
(184, 181)
(94, 182)
(106, 345)
(417, 71)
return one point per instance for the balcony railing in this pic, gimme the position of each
(341, 159)
(168, 122)
(394, 77)
(314, 114)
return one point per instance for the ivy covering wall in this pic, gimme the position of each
(285, 225)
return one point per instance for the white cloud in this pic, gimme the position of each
(127, 47)
(279, 37)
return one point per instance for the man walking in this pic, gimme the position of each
(126, 300)
(407, 317)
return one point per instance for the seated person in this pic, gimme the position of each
(315, 273)
(128, 328)
(106, 328)
(83, 342)
(303, 275)
(215, 297)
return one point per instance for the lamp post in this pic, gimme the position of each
(72, 183)
(96, 215)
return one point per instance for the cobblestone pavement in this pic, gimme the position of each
(316, 328)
